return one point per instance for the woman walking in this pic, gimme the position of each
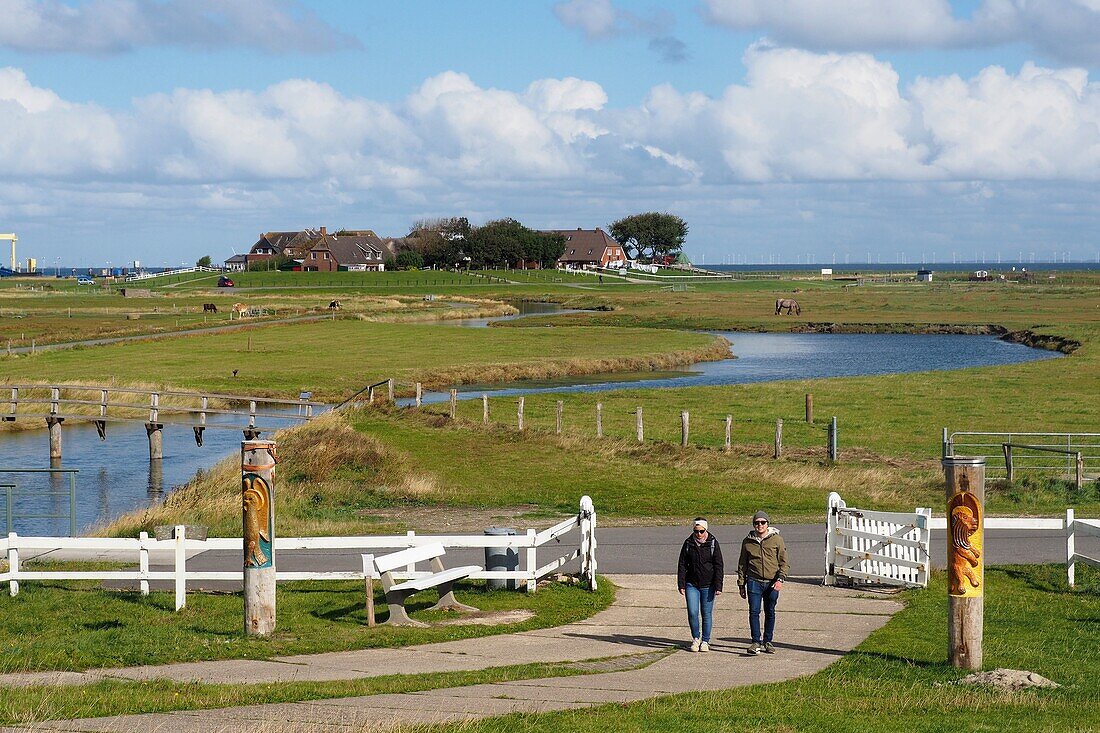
(761, 570)
(699, 577)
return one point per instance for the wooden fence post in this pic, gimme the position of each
(389, 389)
(258, 511)
(809, 408)
(965, 483)
(641, 431)
(778, 439)
(454, 402)
(560, 407)
(1007, 448)
(685, 426)
(729, 431)
(1080, 470)
(519, 413)
(485, 409)
(832, 440)
(368, 581)
(419, 394)
(599, 419)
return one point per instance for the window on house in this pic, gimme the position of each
(313, 255)
(326, 255)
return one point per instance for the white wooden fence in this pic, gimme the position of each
(15, 547)
(892, 547)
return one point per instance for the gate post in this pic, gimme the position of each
(965, 482)
(258, 511)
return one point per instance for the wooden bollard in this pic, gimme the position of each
(599, 419)
(258, 512)
(519, 414)
(685, 428)
(557, 426)
(965, 482)
(485, 409)
(155, 431)
(778, 439)
(54, 424)
(641, 430)
(809, 408)
(419, 394)
(454, 403)
(729, 432)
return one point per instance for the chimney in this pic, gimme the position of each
(324, 231)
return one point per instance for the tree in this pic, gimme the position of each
(408, 260)
(650, 235)
(506, 242)
(203, 261)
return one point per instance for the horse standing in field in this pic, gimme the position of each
(209, 308)
(240, 309)
(790, 304)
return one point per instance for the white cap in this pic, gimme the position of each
(700, 523)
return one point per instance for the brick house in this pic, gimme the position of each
(351, 252)
(588, 248)
(294, 245)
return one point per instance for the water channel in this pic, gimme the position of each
(116, 475)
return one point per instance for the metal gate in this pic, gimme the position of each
(868, 547)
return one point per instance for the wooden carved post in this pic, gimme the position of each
(599, 419)
(454, 402)
(685, 428)
(258, 512)
(778, 439)
(641, 431)
(485, 409)
(809, 408)
(965, 480)
(557, 425)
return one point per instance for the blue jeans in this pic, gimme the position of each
(761, 594)
(700, 602)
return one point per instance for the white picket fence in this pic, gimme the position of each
(16, 547)
(891, 548)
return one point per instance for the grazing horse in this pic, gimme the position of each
(790, 304)
(209, 308)
(334, 305)
(240, 309)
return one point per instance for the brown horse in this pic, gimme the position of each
(790, 304)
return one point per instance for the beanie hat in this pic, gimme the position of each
(761, 515)
(700, 523)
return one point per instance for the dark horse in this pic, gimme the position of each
(209, 308)
(790, 304)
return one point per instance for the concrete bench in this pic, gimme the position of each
(441, 578)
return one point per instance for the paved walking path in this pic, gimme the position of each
(816, 626)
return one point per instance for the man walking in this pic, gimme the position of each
(761, 570)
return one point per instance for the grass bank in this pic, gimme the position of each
(334, 359)
(895, 679)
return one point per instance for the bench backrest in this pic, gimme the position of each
(394, 560)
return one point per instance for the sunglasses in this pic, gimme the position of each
(700, 531)
(760, 521)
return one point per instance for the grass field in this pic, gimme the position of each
(894, 680)
(334, 359)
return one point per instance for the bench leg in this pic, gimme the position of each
(448, 602)
(398, 615)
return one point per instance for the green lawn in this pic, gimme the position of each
(62, 625)
(892, 681)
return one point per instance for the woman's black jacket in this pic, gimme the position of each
(700, 565)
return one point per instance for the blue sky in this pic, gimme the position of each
(781, 130)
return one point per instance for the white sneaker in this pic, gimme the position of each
(694, 645)
(704, 647)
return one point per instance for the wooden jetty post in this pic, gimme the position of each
(685, 428)
(729, 433)
(641, 430)
(778, 439)
(557, 425)
(965, 482)
(258, 511)
(599, 419)
(809, 408)
(54, 424)
(454, 403)
(154, 429)
(485, 409)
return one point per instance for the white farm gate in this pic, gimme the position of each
(869, 547)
